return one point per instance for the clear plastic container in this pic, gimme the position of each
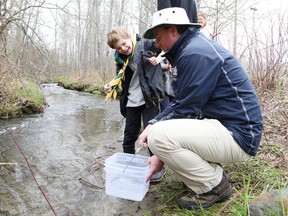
(126, 176)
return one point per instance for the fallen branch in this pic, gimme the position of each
(230, 201)
(89, 184)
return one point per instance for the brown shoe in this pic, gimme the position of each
(219, 193)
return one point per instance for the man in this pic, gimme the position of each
(214, 118)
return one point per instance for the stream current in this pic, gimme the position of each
(66, 147)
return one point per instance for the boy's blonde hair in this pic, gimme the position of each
(116, 34)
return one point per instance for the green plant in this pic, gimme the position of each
(259, 176)
(21, 97)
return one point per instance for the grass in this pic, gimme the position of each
(249, 179)
(88, 83)
(20, 98)
(267, 171)
(30, 91)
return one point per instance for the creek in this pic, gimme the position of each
(66, 147)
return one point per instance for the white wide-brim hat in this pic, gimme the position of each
(169, 16)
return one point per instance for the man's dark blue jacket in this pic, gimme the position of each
(209, 82)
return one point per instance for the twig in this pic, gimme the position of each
(97, 162)
(89, 184)
(230, 201)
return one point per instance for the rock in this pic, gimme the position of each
(273, 202)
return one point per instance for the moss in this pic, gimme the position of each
(87, 84)
(64, 80)
(20, 98)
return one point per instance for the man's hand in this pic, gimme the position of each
(155, 166)
(143, 137)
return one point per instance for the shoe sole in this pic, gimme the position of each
(158, 180)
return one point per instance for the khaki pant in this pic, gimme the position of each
(193, 150)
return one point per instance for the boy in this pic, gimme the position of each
(138, 99)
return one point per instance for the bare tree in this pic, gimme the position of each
(20, 44)
(81, 27)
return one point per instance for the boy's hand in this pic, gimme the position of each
(153, 60)
(156, 60)
(107, 88)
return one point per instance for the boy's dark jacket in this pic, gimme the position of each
(150, 76)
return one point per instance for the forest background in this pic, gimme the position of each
(44, 39)
(65, 42)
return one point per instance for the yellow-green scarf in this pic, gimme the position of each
(117, 82)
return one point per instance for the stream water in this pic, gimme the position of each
(66, 147)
